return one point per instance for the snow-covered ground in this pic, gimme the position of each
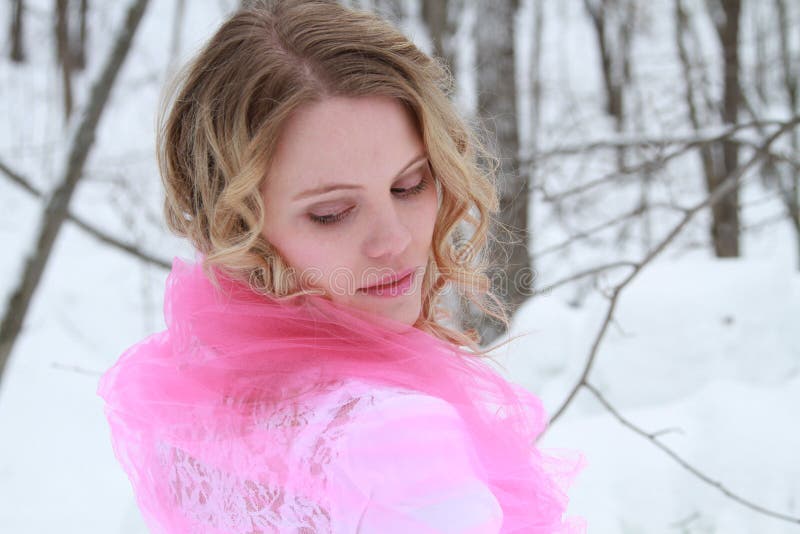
(706, 350)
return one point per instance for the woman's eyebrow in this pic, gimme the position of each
(327, 188)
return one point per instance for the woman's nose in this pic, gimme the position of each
(387, 235)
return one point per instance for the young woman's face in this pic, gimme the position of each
(350, 201)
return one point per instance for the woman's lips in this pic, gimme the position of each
(396, 288)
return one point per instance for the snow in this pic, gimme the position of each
(704, 347)
(706, 350)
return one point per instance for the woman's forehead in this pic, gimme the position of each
(344, 139)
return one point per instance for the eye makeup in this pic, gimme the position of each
(402, 193)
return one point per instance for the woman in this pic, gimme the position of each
(308, 380)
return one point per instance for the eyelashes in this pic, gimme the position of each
(329, 219)
(400, 193)
(411, 191)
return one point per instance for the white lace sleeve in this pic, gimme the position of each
(424, 483)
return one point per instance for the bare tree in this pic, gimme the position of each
(718, 160)
(761, 34)
(613, 21)
(438, 17)
(613, 295)
(510, 267)
(788, 176)
(613, 24)
(78, 42)
(536, 92)
(56, 209)
(99, 234)
(17, 54)
(63, 53)
(725, 226)
(536, 74)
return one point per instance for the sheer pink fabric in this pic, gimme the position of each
(249, 415)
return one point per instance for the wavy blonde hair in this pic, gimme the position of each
(219, 126)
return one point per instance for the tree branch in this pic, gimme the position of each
(87, 227)
(57, 205)
(583, 274)
(20, 180)
(721, 190)
(691, 140)
(653, 438)
(684, 145)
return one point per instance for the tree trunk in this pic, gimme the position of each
(17, 54)
(791, 191)
(536, 105)
(57, 207)
(613, 23)
(510, 269)
(64, 55)
(681, 31)
(719, 160)
(761, 29)
(78, 47)
(536, 73)
(725, 226)
(435, 14)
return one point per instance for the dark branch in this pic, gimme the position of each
(87, 227)
(653, 438)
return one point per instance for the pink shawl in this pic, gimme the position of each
(236, 418)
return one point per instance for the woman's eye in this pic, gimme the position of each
(329, 219)
(414, 190)
(399, 191)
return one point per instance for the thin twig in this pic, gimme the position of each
(584, 234)
(583, 274)
(690, 140)
(648, 165)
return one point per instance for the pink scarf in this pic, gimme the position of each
(205, 393)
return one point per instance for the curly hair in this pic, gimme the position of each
(220, 123)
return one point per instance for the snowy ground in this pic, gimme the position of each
(708, 349)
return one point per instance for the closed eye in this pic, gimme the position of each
(415, 190)
(329, 219)
(402, 193)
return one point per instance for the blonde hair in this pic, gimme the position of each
(219, 127)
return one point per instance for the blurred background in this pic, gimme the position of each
(650, 184)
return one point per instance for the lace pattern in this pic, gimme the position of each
(264, 504)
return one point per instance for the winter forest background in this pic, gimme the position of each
(650, 176)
